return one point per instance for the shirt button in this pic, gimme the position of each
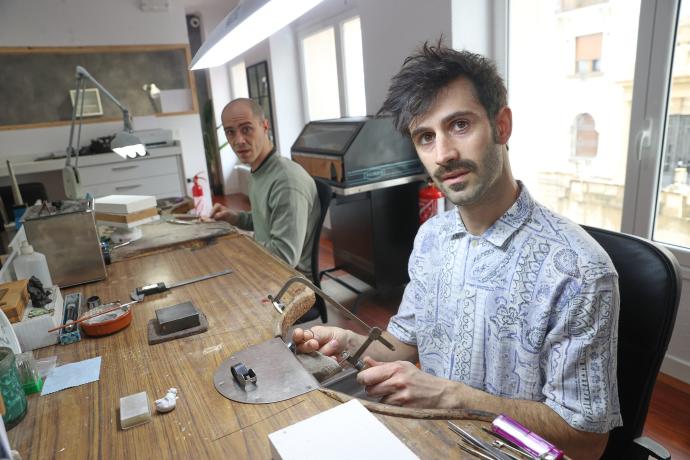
(474, 243)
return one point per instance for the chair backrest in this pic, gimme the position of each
(325, 193)
(650, 285)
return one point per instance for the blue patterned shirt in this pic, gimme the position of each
(528, 310)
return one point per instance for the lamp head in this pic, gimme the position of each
(127, 145)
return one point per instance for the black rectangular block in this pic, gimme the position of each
(177, 318)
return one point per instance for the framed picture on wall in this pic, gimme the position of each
(260, 91)
(92, 102)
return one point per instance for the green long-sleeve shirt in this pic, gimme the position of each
(285, 210)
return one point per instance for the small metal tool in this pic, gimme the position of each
(374, 334)
(501, 442)
(141, 292)
(477, 443)
(243, 375)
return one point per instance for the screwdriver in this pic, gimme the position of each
(141, 292)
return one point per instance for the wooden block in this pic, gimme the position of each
(126, 218)
(14, 297)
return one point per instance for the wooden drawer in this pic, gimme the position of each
(128, 170)
(160, 186)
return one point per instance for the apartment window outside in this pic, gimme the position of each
(333, 70)
(588, 53)
(568, 162)
(586, 136)
(574, 4)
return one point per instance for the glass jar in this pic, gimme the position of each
(11, 389)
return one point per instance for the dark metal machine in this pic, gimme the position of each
(355, 151)
(376, 175)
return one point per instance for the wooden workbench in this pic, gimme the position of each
(83, 422)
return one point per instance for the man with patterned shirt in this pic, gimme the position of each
(510, 308)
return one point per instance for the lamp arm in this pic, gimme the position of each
(81, 73)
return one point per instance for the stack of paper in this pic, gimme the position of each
(126, 211)
(345, 432)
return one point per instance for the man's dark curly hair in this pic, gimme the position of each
(432, 68)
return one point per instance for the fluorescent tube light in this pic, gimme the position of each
(246, 25)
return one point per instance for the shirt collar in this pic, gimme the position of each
(501, 230)
(266, 160)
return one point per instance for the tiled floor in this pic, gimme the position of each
(668, 420)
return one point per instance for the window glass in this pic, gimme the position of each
(672, 223)
(354, 68)
(321, 75)
(238, 78)
(570, 85)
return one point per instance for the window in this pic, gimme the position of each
(321, 75)
(629, 162)
(588, 53)
(586, 137)
(570, 136)
(333, 70)
(238, 80)
(574, 4)
(354, 68)
(672, 219)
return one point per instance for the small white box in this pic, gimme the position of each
(32, 333)
(366, 437)
(134, 410)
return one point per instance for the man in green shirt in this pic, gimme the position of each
(285, 207)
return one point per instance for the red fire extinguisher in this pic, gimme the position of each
(198, 194)
(431, 202)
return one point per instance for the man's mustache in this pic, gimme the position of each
(454, 165)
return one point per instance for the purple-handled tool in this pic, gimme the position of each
(524, 438)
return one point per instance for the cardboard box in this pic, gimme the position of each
(13, 299)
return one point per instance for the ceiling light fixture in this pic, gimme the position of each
(246, 25)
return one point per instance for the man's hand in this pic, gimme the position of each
(331, 341)
(220, 212)
(401, 383)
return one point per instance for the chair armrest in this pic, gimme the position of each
(651, 447)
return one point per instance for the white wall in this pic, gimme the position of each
(391, 31)
(96, 23)
(286, 89)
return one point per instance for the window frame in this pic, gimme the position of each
(336, 22)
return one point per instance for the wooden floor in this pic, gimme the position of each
(668, 420)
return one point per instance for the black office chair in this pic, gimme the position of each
(650, 285)
(30, 191)
(319, 309)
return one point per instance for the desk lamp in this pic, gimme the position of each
(125, 144)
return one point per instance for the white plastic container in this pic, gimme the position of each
(31, 263)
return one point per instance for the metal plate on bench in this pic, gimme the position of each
(279, 375)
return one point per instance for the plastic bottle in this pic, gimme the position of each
(31, 263)
(198, 195)
(431, 202)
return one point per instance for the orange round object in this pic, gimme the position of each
(108, 323)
